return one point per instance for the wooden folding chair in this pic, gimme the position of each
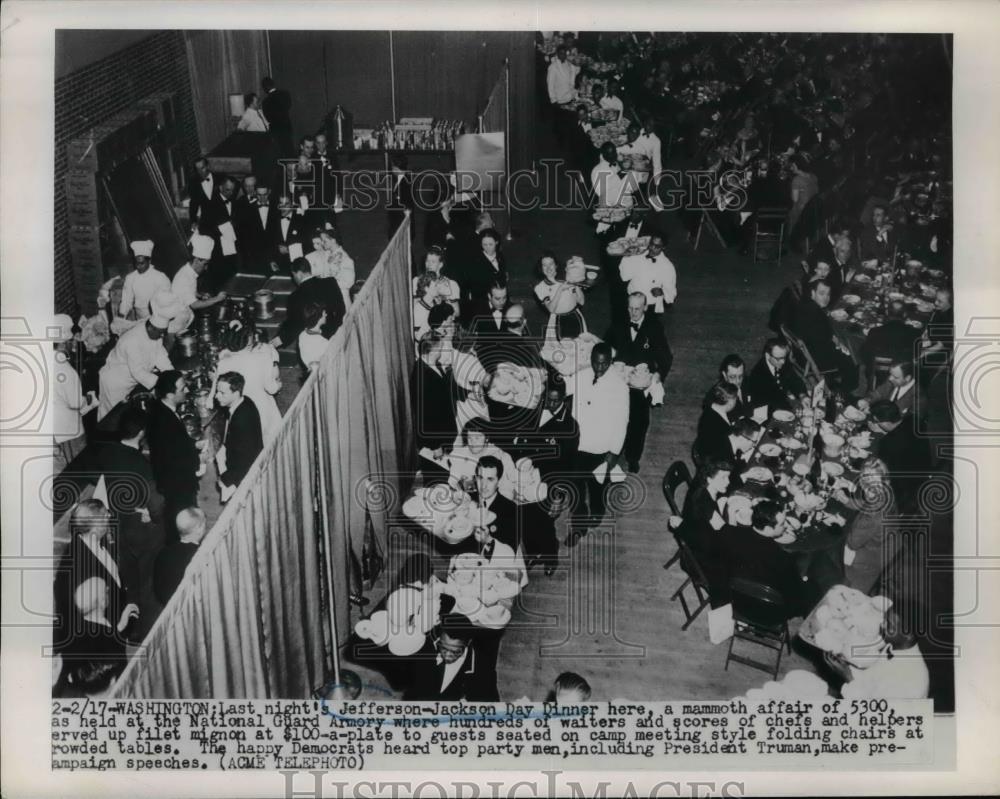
(759, 618)
(677, 475)
(802, 361)
(696, 579)
(769, 231)
(703, 221)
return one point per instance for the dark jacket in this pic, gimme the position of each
(552, 446)
(169, 568)
(277, 108)
(78, 564)
(199, 200)
(895, 339)
(243, 441)
(425, 675)
(712, 441)
(649, 347)
(475, 275)
(324, 290)
(751, 556)
(812, 325)
(433, 396)
(436, 230)
(765, 388)
(172, 454)
(255, 238)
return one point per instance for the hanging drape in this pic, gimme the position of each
(248, 618)
(222, 63)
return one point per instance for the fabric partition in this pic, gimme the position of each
(248, 619)
(495, 119)
(222, 63)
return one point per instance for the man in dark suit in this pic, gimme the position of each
(488, 322)
(714, 426)
(255, 221)
(289, 228)
(329, 168)
(489, 472)
(308, 289)
(91, 553)
(773, 382)
(173, 559)
(173, 455)
(894, 339)
(277, 108)
(812, 325)
(433, 394)
(449, 666)
(203, 188)
(907, 455)
(217, 218)
(552, 443)
(243, 439)
(732, 370)
(877, 238)
(639, 341)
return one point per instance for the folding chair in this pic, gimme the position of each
(703, 221)
(769, 231)
(676, 476)
(696, 579)
(760, 618)
(801, 360)
(879, 369)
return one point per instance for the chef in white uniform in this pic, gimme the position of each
(135, 360)
(185, 284)
(141, 284)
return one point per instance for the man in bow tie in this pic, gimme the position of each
(450, 666)
(772, 383)
(203, 189)
(638, 341)
(652, 274)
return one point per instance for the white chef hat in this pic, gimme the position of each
(143, 248)
(202, 246)
(62, 327)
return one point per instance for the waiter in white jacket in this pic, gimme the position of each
(142, 283)
(601, 407)
(561, 83)
(137, 359)
(652, 274)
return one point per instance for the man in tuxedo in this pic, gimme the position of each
(173, 559)
(204, 190)
(812, 325)
(877, 239)
(552, 444)
(489, 472)
(256, 221)
(824, 250)
(277, 108)
(582, 153)
(712, 440)
(173, 456)
(329, 169)
(732, 370)
(894, 339)
(640, 340)
(772, 383)
(91, 554)
(247, 193)
(433, 394)
(243, 439)
(288, 229)
(218, 220)
(844, 266)
(489, 323)
(449, 666)
(309, 288)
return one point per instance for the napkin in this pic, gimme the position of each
(849, 556)
(228, 245)
(220, 459)
(760, 414)
(655, 393)
(294, 250)
(602, 226)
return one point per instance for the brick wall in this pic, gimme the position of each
(157, 63)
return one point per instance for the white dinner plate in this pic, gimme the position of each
(783, 416)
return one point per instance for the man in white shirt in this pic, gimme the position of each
(601, 408)
(561, 82)
(135, 360)
(142, 284)
(69, 405)
(651, 144)
(651, 273)
(253, 120)
(185, 283)
(613, 188)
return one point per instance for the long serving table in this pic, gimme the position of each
(800, 461)
(863, 303)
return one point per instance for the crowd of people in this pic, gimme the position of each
(516, 428)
